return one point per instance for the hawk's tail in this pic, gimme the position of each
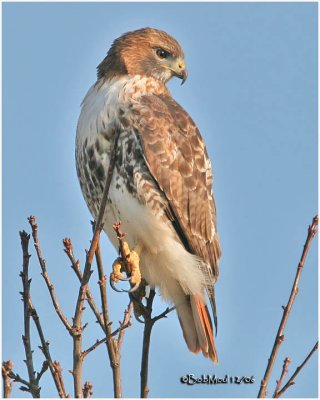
(197, 329)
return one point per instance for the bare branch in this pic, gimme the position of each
(112, 345)
(7, 382)
(121, 328)
(76, 267)
(286, 310)
(103, 292)
(63, 318)
(33, 383)
(44, 368)
(148, 324)
(56, 374)
(149, 321)
(284, 372)
(291, 382)
(77, 324)
(75, 264)
(17, 378)
(163, 314)
(126, 321)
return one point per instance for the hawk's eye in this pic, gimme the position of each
(162, 53)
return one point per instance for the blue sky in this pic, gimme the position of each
(252, 90)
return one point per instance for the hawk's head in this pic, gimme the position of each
(147, 52)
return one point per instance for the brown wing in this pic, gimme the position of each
(178, 161)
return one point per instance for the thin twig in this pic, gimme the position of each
(286, 310)
(126, 321)
(7, 382)
(284, 372)
(296, 372)
(106, 327)
(45, 366)
(148, 324)
(121, 328)
(33, 383)
(112, 345)
(77, 327)
(75, 264)
(163, 314)
(149, 321)
(44, 273)
(58, 370)
(17, 378)
(55, 372)
(77, 324)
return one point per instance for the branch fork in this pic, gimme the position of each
(312, 230)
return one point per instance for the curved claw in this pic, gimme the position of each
(134, 288)
(113, 286)
(138, 319)
(126, 291)
(123, 279)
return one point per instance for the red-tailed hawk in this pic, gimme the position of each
(161, 188)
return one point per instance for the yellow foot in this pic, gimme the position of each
(130, 263)
(133, 261)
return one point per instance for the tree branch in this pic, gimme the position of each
(33, 383)
(76, 267)
(54, 366)
(63, 318)
(284, 372)
(17, 378)
(148, 325)
(112, 345)
(286, 310)
(126, 322)
(77, 324)
(121, 328)
(291, 382)
(45, 366)
(75, 264)
(163, 314)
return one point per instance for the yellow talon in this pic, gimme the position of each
(117, 269)
(126, 249)
(134, 259)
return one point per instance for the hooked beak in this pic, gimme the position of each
(183, 76)
(181, 71)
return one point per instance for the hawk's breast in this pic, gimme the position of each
(133, 195)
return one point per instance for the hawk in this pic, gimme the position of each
(161, 186)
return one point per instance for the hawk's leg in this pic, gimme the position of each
(134, 262)
(137, 282)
